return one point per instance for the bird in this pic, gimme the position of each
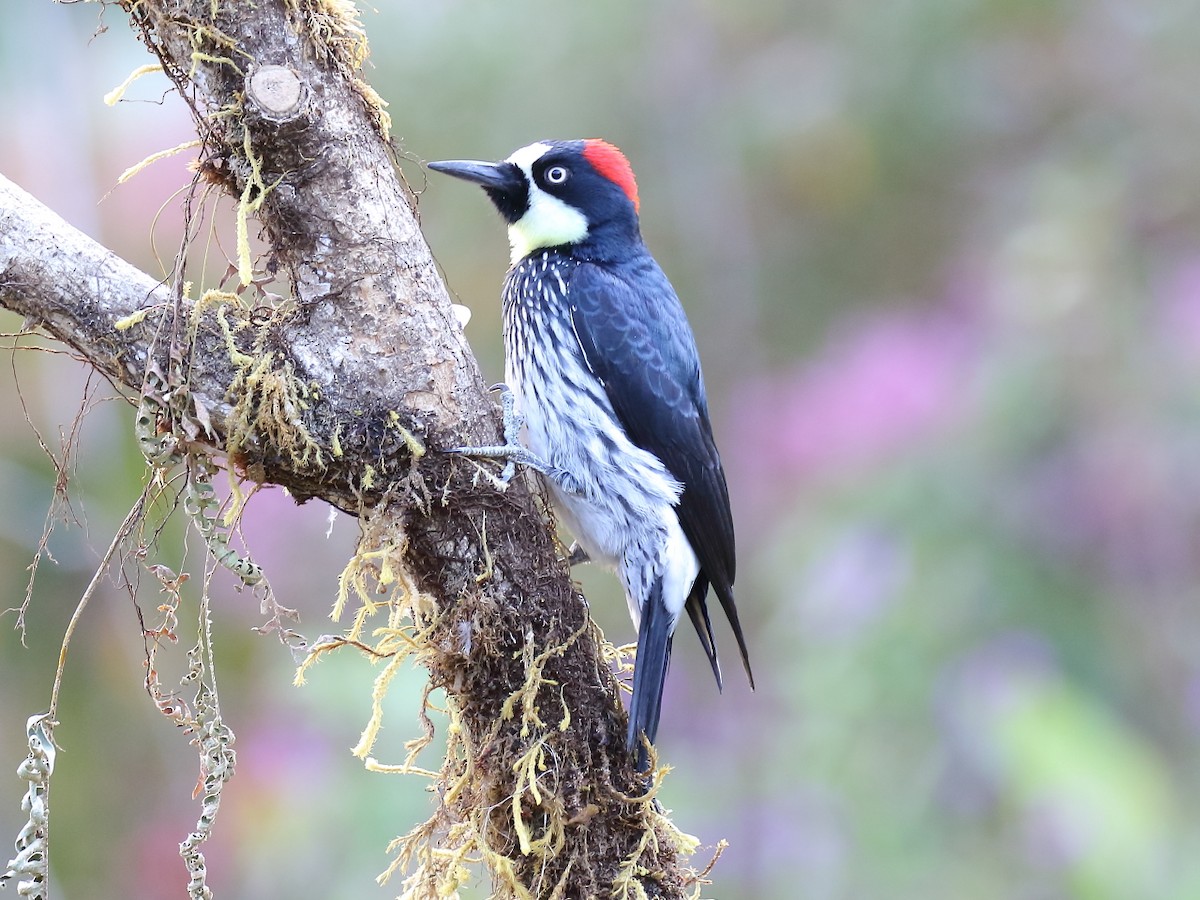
(602, 371)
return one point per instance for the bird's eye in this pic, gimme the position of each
(556, 175)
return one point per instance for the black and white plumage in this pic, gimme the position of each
(606, 377)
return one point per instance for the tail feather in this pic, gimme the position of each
(649, 673)
(697, 611)
(724, 593)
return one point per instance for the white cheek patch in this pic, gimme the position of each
(548, 222)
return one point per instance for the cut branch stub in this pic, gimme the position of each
(275, 92)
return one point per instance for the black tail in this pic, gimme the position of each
(724, 592)
(649, 673)
(697, 611)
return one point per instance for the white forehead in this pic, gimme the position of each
(527, 156)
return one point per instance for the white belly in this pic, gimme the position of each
(624, 516)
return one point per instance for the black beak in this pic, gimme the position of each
(504, 182)
(502, 176)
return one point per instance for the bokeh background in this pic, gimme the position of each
(942, 258)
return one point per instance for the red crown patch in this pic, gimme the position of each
(612, 164)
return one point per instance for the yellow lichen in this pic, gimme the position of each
(135, 318)
(271, 400)
(526, 695)
(415, 448)
(628, 884)
(237, 501)
(253, 195)
(367, 739)
(155, 157)
(377, 105)
(113, 97)
(237, 357)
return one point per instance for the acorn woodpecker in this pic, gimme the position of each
(601, 369)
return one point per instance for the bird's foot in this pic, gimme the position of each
(513, 453)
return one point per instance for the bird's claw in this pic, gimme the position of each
(506, 452)
(513, 420)
(513, 453)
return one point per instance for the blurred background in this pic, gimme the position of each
(942, 258)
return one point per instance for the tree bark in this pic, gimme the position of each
(374, 376)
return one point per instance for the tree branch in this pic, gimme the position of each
(374, 375)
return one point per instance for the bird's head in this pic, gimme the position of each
(556, 193)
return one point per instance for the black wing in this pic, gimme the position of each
(639, 344)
